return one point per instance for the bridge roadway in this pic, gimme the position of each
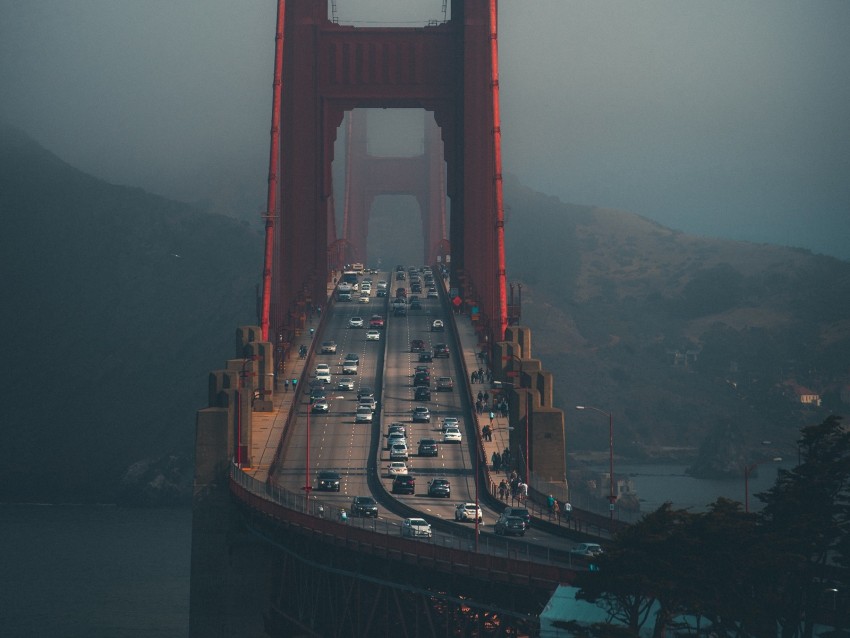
(333, 441)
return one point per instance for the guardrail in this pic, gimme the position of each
(311, 515)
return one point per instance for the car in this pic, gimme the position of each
(441, 350)
(421, 379)
(398, 452)
(428, 447)
(445, 384)
(377, 321)
(452, 435)
(432, 293)
(343, 296)
(363, 414)
(416, 287)
(421, 414)
(440, 487)
(522, 512)
(437, 325)
(363, 298)
(323, 372)
(404, 484)
(318, 392)
(373, 335)
(399, 311)
(426, 357)
(396, 438)
(345, 383)
(416, 528)
(401, 292)
(365, 392)
(355, 322)
(328, 347)
(350, 367)
(450, 422)
(369, 402)
(382, 284)
(351, 356)
(588, 550)
(417, 345)
(321, 405)
(396, 467)
(415, 304)
(422, 393)
(364, 506)
(509, 526)
(382, 292)
(396, 428)
(400, 276)
(422, 368)
(328, 481)
(466, 512)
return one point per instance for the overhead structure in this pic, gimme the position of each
(448, 69)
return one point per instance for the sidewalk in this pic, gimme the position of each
(267, 427)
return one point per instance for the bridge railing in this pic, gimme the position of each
(324, 518)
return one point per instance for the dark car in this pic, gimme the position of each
(441, 350)
(404, 484)
(440, 487)
(328, 481)
(415, 304)
(421, 414)
(422, 393)
(426, 357)
(364, 506)
(317, 393)
(510, 526)
(365, 393)
(415, 287)
(421, 378)
(428, 447)
(400, 311)
(417, 345)
(521, 512)
(401, 292)
(445, 384)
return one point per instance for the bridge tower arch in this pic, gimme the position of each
(449, 69)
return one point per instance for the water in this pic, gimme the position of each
(656, 484)
(88, 571)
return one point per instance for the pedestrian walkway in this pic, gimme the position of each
(500, 434)
(267, 427)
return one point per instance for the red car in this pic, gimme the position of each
(377, 321)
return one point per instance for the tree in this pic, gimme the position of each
(806, 519)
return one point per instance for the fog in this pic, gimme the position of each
(725, 119)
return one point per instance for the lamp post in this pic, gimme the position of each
(612, 498)
(748, 469)
(514, 375)
(243, 374)
(307, 485)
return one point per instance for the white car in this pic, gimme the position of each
(466, 512)
(450, 422)
(587, 549)
(323, 372)
(349, 367)
(452, 435)
(437, 325)
(416, 528)
(345, 384)
(355, 322)
(373, 335)
(398, 452)
(396, 468)
(396, 438)
(363, 415)
(363, 298)
(369, 402)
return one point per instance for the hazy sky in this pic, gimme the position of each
(726, 118)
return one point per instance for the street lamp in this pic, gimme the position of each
(612, 498)
(748, 469)
(518, 375)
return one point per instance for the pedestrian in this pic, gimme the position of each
(286, 386)
(557, 510)
(294, 383)
(492, 416)
(550, 504)
(480, 396)
(472, 377)
(486, 397)
(503, 490)
(494, 459)
(568, 510)
(523, 490)
(480, 373)
(497, 464)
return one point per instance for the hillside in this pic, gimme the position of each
(613, 297)
(117, 304)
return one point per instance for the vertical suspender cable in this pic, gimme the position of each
(501, 300)
(274, 157)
